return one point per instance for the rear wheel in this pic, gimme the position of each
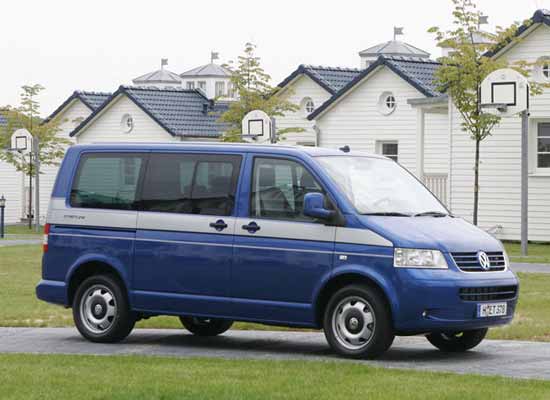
(358, 323)
(101, 311)
(206, 326)
(457, 341)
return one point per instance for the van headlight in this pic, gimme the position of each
(419, 258)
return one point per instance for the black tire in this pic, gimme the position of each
(353, 322)
(206, 326)
(456, 342)
(92, 300)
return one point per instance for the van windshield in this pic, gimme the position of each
(381, 186)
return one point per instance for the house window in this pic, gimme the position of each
(220, 89)
(308, 105)
(230, 91)
(127, 123)
(543, 145)
(190, 85)
(387, 103)
(389, 149)
(202, 85)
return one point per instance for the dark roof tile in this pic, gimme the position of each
(181, 112)
(332, 79)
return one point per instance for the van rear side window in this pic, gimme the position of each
(191, 184)
(107, 181)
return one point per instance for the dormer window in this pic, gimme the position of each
(190, 85)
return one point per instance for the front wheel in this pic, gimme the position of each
(206, 326)
(455, 342)
(101, 311)
(358, 322)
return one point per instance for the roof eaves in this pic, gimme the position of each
(95, 112)
(539, 17)
(74, 96)
(379, 62)
(303, 70)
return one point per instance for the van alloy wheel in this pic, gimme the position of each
(353, 322)
(98, 309)
(101, 310)
(357, 322)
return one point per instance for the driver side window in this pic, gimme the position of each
(278, 189)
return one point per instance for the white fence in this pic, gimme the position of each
(437, 183)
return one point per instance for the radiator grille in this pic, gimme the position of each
(488, 293)
(469, 262)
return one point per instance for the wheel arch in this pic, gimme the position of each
(94, 265)
(349, 277)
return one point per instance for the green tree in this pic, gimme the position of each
(27, 116)
(251, 84)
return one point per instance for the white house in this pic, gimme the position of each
(213, 79)
(392, 107)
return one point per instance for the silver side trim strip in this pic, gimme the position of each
(185, 242)
(363, 254)
(91, 236)
(287, 230)
(218, 245)
(184, 222)
(284, 249)
(361, 236)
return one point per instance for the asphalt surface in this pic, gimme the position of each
(530, 267)
(493, 357)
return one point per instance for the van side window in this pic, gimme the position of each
(191, 184)
(278, 189)
(107, 181)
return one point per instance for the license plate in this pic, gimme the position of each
(491, 310)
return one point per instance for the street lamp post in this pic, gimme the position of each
(2, 207)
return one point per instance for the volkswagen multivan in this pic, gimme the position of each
(346, 242)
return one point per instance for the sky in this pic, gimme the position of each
(99, 45)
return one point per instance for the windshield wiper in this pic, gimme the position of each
(388, 214)
(436, 214)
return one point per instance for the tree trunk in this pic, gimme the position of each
(476, 182)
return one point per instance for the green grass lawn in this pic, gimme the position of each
(537, 253)
(60, 377)
(21, 232)
(20, 271)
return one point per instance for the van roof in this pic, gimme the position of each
(220, 146)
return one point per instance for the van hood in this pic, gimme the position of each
(449, 234)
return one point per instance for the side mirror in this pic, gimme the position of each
(314, 206)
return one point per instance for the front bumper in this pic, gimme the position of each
(430, 301)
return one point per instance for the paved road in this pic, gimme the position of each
(529, 267)
(492, 357)
(17, 242)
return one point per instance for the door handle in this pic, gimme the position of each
(219, 225)
(252, 227)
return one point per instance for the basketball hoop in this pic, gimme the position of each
(257, 127)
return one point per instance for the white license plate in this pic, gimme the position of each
(491, 310)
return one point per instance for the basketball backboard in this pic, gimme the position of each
(21, 141)
(256, 125)
(504, 92)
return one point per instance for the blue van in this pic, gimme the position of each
(347, 242)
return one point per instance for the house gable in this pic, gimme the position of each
(418, 73)
(107, 125)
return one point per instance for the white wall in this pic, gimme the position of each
(436, 143)
(501, 157)
(106, 127)
(301, 88)
(11, 188)
(210, 85)
(356, 121)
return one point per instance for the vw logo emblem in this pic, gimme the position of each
(484, 261)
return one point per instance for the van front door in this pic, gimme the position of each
(186, 223)
(280, 254)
